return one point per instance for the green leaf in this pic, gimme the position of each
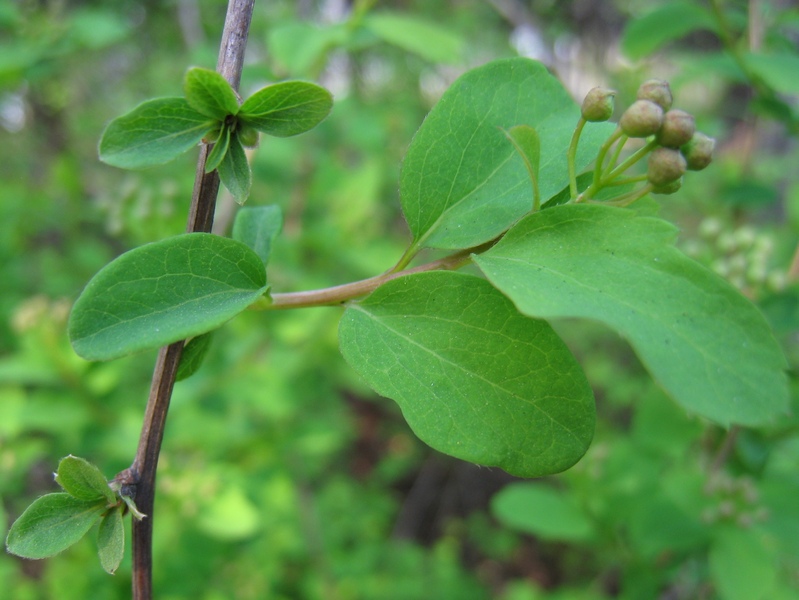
(462, 183)
(217, 154)
(153, 133)
(193, 354)
(52, 524)
(163, 292)
(742, 565)
(542, 511)
(83, 480)
(209, 93)
(702, 341)
(301, 48)
(258, 226)
(234, 171)
(664, 24)
(777, 70)
(111, 541)
(428, 40)
(473, 377)
(287, 108)
(525, 141)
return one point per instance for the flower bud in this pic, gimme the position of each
(698, 151)
(248, 136)
(669, 188)
(678, 129)
(598, 105)
(643, 118)
(666, 165)
(657, 91)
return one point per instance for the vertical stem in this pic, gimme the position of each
(140, 477)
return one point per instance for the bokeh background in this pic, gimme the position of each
(282, 475)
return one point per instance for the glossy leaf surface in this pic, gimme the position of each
(164, 292)
(234, 171)
(209, 93)
(701, 340)
(473, 377)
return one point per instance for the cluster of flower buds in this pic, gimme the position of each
(679, 147)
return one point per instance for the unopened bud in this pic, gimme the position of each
(657, 91)
(698, 151)
(248, 136)
(678, 129)
(643, 118)
(598, 105)
(669, 188)
(666, 165)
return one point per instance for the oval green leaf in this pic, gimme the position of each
(423, 38)
(664, 24)
(462, 181)
(542, 511)
(258, 226)
(234, 170)
(287, 108)
(83, 480)
(163, 292)
(209, 93)
(473, 377)
(153, 133)
(52, 524)
(703, 342)
(111, 540)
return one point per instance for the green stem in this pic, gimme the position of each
(630, 197)
(339, 294)
(630, 161)
(617, 152)
(600, 158)
(626, 181)
(572, 158)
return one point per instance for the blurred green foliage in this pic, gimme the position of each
(282, 476)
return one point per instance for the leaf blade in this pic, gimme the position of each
(234, 171)
(287, 108)
(83, 480)
(258, 226)
(210, 94)
(473, 377)
(698, 337)
(462, 183)
(51, 525)
(111, 541)
(153, 133)
(163, 292)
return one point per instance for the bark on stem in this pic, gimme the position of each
(139, 479)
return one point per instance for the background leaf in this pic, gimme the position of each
(423, 38)
(164, 292)
(701, 340)
(664, 24)
(473, 377)
(153, 133)
(287, 108)
(52, 524)
(209, 93)
(111, 540)
(257, 226)
(83, 480)
(235, 172)
(462, 182)
(542, 511)
(742, 565)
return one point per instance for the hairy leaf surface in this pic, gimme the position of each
(209, 93)
(83, 480)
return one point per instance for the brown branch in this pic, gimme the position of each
(139, 479)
